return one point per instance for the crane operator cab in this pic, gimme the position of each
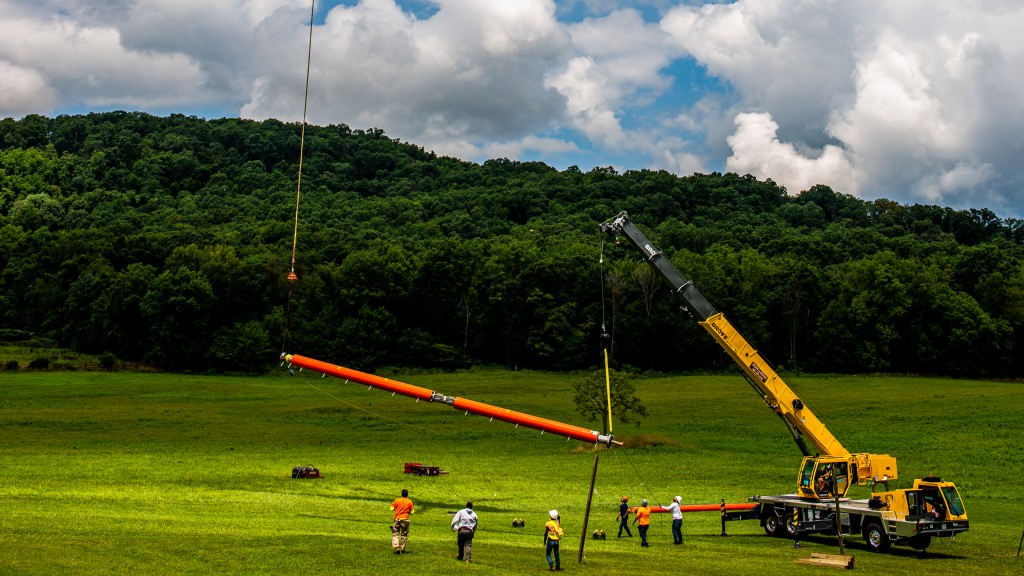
(823, 477)
(938, 500)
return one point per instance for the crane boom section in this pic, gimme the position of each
(802, 423)
(621, 225)
(777, 395)
(782, 400)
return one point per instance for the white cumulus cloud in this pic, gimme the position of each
(757, 150)
(25, 90)
(917, 102)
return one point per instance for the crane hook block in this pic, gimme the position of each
(292, 277)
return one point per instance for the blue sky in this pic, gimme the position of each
(916, 101)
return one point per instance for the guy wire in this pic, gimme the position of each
(650, 495)
(370, 412)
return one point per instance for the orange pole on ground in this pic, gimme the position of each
(466, 405)
(706, 507)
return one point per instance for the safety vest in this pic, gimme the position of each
(402, 508)
(554, 530)
(643, 515)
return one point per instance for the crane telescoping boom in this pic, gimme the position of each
(801, 422)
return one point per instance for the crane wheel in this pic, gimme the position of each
(773, 525)
(920, 542)
(790, 525)
(876, 538)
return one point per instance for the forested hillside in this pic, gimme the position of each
(168, 240)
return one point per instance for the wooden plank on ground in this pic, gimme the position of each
(833, 560)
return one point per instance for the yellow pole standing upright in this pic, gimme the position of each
(593, 475)
(608, 388)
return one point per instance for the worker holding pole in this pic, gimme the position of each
(677, 520)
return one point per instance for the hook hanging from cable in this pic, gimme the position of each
(302, 142)
(292, 276)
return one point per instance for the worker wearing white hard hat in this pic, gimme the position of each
(677, 519)
(552, 535)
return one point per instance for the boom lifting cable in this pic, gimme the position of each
(292, 276)
(606, 342)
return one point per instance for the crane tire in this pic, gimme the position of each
(876, 538)
(920, 542)
(773, 525)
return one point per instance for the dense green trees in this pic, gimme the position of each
(168, 240)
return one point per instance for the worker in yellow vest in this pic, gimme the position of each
(552, 535)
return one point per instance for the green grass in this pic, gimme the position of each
(127, 473)
(23, 354)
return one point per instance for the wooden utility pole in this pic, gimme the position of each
(839, 516)
(586, 515)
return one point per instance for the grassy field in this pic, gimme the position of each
(127, 473)
(24, 354)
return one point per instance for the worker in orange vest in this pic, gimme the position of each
(402, 507)
(642, 520)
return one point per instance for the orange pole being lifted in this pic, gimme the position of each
(463, 404)
(361, 377)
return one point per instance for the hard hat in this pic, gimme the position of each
(625, 498)
(643, 502)
(678, 498)
(553, 514)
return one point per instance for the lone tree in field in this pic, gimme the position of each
(591, 399)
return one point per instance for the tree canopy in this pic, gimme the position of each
(168, 240)
(590, 394)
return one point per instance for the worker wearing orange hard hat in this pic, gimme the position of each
(623, 517)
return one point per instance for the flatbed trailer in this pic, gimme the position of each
(790, 516)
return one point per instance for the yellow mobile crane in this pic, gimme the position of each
(911, 516)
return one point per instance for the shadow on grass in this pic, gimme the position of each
(853, 543)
